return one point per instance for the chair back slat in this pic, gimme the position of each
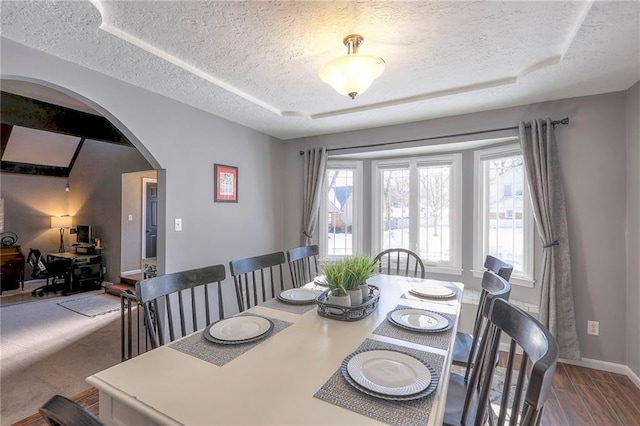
(399, 261)
(303, 264)
(493, 286)
(535, 369)
(256, 273)
(171, 312)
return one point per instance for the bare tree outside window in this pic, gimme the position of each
(505, 204)
(395, 207)
(435, 183)
(340, 212)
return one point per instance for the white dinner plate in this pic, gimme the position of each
(298, 295)
(389, 372)
(240, 328)
(321, 280)
(431, 289)
(418, 319)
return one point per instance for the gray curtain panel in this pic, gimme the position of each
(315, 165)
(544, 179)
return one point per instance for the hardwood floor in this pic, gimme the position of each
(580, 396)
(87, 399)
(584, 396)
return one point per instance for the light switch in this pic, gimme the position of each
(130, 217)
(178, 224)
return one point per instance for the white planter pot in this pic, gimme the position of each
(356, 296)
(339, 301)
(364, 289)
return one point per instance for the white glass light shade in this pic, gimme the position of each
(61, 221)
(351, 75)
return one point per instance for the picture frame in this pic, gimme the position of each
(225, 183)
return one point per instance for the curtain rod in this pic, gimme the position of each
(477, 132)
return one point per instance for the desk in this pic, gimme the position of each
(12, 268)
(84, 271)
(273, 382)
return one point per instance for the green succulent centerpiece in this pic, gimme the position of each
(357, 270)
(348, 276)
(334, 272)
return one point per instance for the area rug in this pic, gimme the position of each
(497, 382)
(92, 306)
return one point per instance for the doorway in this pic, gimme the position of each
(149, 227)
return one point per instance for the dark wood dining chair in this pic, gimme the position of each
(399, 261)
(61, 411)
(175, 304)
(498, 267)
(303, 264)
(469, 402)
(462, 355)
(257, 276)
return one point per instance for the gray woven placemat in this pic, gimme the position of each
(196, 345)
(338, 392)
(439, 340)
(278, 304)
(452, 298)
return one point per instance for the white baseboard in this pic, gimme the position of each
(593, 363)
(135, 271)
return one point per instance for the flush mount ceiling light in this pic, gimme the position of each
(352, 74)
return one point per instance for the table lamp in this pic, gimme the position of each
(61, 222)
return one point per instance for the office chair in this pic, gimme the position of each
(56, 271)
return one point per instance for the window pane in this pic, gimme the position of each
(505, 204)
(435, 229)
(340, 212)
(395, 208)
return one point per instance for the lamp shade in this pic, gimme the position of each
(61, 221)
(351, 75)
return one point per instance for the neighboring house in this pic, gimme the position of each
(508, 200)
(341, 211)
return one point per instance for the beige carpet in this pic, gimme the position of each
(46, 349)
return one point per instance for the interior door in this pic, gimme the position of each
(151, 219)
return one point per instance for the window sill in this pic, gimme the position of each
(443, 270)
(472, 297)
(519, 281)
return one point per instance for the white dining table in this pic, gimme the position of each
(272, 383)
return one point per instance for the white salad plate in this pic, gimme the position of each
(389, 372)
(417, 319)
(240, 328)
(431, 289)
(298, 295)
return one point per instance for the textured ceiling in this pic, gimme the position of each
(256, 63)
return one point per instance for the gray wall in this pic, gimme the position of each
(93, 199)
(132, 230)
(183, 143)
(633, 228)
(592, 152)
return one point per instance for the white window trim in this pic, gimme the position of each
(526, 280)
(455, 266)
(356, 228)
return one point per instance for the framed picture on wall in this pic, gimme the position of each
(225, 183)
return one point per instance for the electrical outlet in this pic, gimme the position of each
(593, 328)
(130, 217)
(178, 225)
